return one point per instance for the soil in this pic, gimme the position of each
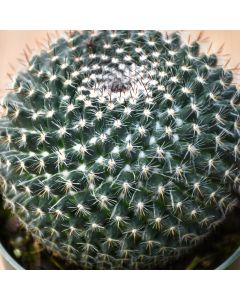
(213, 251)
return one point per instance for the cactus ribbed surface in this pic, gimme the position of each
(119, 149)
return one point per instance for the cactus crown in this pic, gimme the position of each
(120, 148)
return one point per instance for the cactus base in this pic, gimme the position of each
(25, 253)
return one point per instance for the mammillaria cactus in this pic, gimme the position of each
(121, 148)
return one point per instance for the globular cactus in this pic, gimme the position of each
(119, 149)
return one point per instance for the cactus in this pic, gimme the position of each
(120, 149)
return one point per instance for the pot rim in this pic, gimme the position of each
(231, 259)
(12, 262)
(9, 259)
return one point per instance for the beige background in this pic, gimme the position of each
(13, 43)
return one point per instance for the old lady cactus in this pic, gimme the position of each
(120, 148)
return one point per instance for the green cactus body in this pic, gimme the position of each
(119, 149)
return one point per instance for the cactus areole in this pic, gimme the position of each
(120, 149)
